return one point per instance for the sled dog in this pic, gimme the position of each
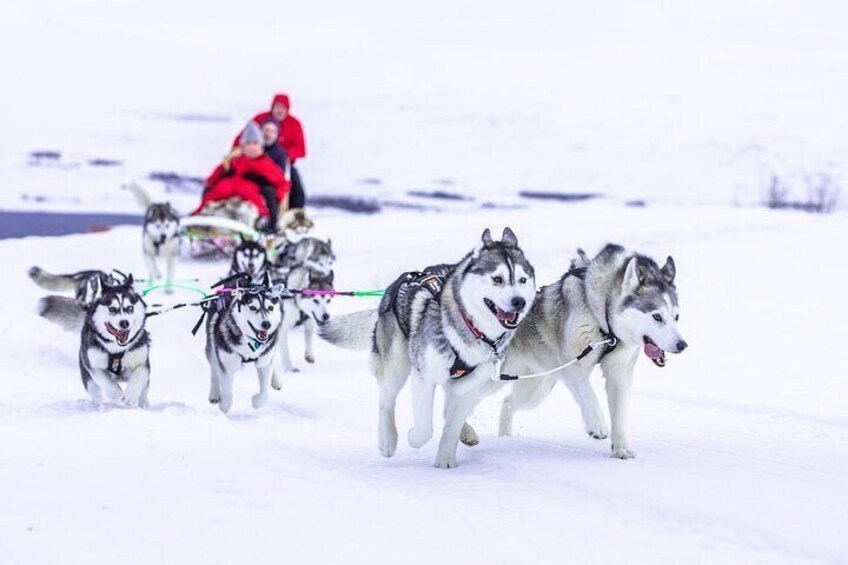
(448, 325)
(619, 296)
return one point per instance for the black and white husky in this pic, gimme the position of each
(114, 344)
(243, 332)
(306, 311)
(619, 295)
(160, 235)
(449, 325)
(249, 258)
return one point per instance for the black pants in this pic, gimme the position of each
(297, 198)
(269, 193)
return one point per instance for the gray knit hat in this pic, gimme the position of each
(251, 133)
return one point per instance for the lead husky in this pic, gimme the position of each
(243, 332)
(114, 344)
(449, 325)
(160, 235)
(620, 296)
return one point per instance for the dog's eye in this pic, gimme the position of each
(270, 308)
(522, 280)
(254, 309)
(129, 309)
(676, 317)
(658, 317)
(113, 310)
(497, 279)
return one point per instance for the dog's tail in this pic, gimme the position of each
(63, 311)
(352, 331)
(141, 195)
(48, 281)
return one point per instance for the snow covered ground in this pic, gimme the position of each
(742, 440)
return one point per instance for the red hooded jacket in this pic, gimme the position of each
(291, 132)
(242, 180)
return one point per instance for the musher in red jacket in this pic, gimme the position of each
(291, 139)
(249, 174)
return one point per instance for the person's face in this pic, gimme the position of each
(279, 112)
(252, 149)
(270, 133)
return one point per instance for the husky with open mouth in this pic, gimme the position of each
(448, 325)
(115, 346)
(623, 301)
(244, 331)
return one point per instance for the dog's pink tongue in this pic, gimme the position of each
(654, 352)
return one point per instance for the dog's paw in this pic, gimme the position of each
(468, 436)
(276, 384)
(130, 400)
(225, 405)
(388, 444)
(445, 462)
(309, 358)
(214, 400)
(418, 439)
(622, 453)
(598, 433)
(259, 400)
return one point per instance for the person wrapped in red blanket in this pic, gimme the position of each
(247, 174)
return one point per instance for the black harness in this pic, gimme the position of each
(432, 280)
(116, 363)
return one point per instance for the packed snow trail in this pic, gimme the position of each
(742, 440)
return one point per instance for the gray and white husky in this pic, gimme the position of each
(160, 235)
(309, 252)
(114, 344)
(449, 326)
(617, 295)
(244, 331)
(306, 311)
(249, 258)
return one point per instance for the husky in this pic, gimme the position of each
(309, 252)
(114, 344)
(449, 325)
(307, 312)
(244, 331)
(249, 258)
(620, 297)
(160, 235)
(295, 224)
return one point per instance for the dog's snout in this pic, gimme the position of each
(681, 345)
(518, 302)
(266, 325)
(124, 324)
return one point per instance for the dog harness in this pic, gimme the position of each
(116, 363)
(401, 292)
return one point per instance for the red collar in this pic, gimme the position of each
(475, 331)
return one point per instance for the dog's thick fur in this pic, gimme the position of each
(617, 293)
(244, 332)
(160, 235)
(427, 333)
(249, 258)
(114, 344)
(307, 312)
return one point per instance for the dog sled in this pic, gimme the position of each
(211, 235)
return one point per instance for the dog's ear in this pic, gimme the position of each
(669, 270)
(267, 280)
(508, 238)
(129, 282)
(632, 276)
(486, 237)
(330, 278)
